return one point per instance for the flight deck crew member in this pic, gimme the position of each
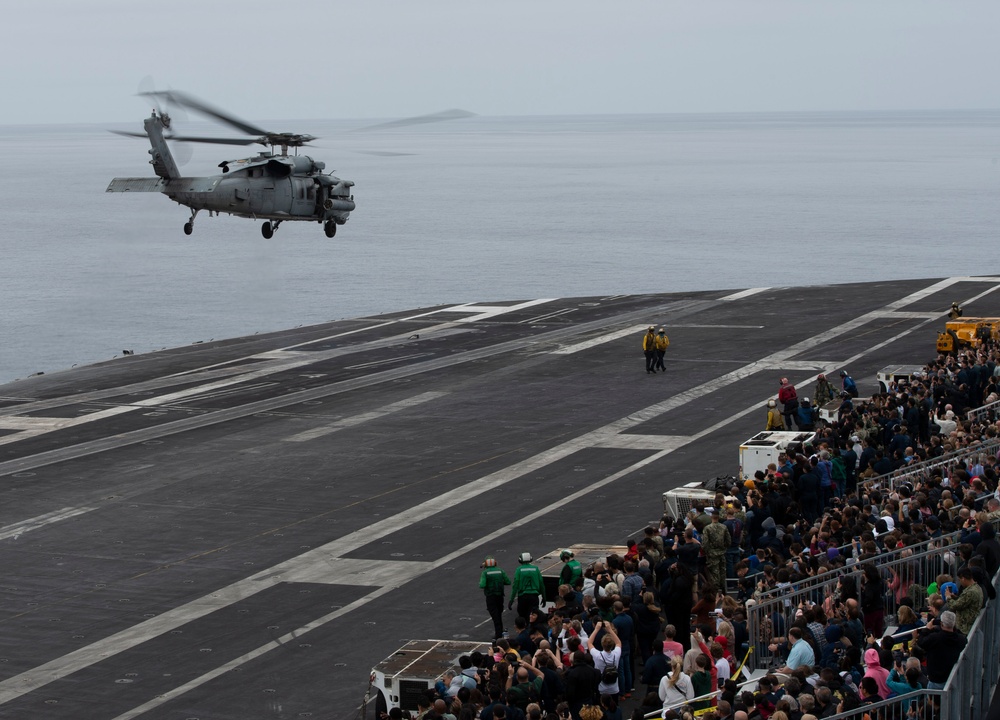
(527, 586)
(774, 419)
(789, 400)
(649, 349)
(662, 342)
(492, 582)
(956, 312)
(850, 387)
(571, 570)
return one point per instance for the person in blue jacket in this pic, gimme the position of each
(850, 387)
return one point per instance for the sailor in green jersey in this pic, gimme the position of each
(492, 582)
(528, 586)
(571, 571)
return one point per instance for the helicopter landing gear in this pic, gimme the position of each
(189, 225)
(330, 228)
(268, 229)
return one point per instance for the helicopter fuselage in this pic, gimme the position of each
(270, 187)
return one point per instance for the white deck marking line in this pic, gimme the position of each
(921, 294)
(599, 340)
(549, 316)
(84, 657)
(901, 314)
(483, 312)
(745, 293)
(817, 365)
(355, 420)
(643, 442)
(724, 327)
(18, 529)
(387, 361)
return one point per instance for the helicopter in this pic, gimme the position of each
(271, 186)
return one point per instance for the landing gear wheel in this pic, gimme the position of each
(267, 231)
(188, 228)
(330, 228)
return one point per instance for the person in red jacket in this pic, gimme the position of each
(789, 400)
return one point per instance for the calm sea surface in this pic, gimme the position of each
(486, 209)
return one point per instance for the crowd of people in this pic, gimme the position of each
(663, 628)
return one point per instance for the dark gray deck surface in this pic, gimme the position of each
(242, 529)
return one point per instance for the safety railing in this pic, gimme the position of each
(922, 470)
(919, 705)
(970, 686)
(771, 617)
(847, 551)
(987, 412)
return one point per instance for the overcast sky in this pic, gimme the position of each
(82, 60)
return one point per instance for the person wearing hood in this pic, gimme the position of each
(988, 548)
(874, 669)
(770, 538)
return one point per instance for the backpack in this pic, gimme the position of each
(609, 676)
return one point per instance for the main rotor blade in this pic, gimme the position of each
(213, 140)
(193, 103)
(454, 114)
(126, 133)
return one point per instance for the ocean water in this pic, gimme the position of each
(486, 209)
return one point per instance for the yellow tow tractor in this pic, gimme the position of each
(967, 332)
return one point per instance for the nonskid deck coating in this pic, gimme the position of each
(331, 456)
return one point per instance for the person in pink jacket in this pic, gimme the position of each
(874, 669)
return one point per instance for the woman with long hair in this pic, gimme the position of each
(872, 599)
(676, 687)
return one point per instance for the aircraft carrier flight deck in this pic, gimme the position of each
(243, 529)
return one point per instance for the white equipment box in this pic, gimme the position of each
(678, 501)
(412, 670)
(898, 374)
(763, 448)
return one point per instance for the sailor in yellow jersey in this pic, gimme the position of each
(662, 342)
(649, 350)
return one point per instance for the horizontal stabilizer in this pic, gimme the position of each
(137, 184)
